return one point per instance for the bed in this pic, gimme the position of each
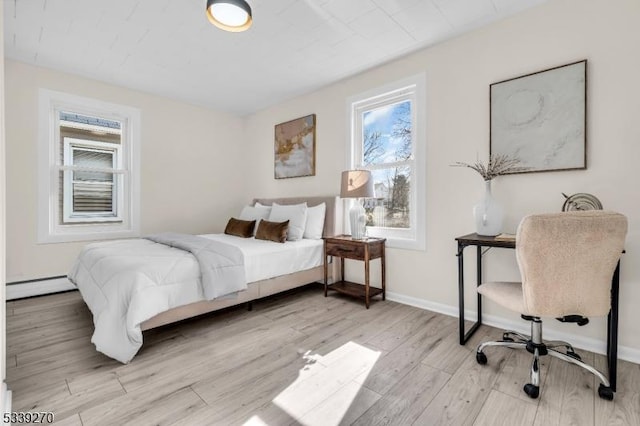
(139, 284)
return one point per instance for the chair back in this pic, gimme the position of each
(567, 261)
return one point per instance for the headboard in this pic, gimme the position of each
(333, 203)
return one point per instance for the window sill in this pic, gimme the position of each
(400, 238)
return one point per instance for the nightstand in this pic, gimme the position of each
(345, 247)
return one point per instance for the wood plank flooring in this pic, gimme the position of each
(296, 359)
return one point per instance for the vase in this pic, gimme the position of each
(488, 214)
(357, 221)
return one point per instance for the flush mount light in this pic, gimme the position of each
(229, 15)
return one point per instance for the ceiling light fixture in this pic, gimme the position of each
(229, 15)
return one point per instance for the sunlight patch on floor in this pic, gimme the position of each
(326, 387)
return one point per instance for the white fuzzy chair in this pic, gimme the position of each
(566, 264)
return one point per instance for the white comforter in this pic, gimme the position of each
(126, 282)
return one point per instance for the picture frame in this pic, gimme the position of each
(541, 118)
(295, 148)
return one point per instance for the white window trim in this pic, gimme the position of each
(50, 228)
(415, 238)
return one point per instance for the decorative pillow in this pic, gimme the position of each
(315, 222)
(272, 231)
(255, 213)
(240, 228)
(296, 214)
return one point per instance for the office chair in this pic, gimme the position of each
(566, 263)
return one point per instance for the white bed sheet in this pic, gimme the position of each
(266, 259)
(153, 278)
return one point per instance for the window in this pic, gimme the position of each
(88, 169)
(387, 138)
(92, 191)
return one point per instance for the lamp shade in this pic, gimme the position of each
(357, 184)
(229, 15)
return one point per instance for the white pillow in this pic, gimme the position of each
(255, 213)
(296, 214)
(315, 222)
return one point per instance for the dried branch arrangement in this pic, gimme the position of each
(498, 165)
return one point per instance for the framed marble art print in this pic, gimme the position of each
(540, 118)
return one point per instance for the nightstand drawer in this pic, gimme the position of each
(345, 250)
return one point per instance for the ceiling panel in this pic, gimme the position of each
(167, 47)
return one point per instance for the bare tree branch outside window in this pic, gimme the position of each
(373, 148)
(388, 139)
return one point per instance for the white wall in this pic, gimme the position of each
(189, 180)
(459, 72)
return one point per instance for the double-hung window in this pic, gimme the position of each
(387, 138)
(89, 167)
(92, 181)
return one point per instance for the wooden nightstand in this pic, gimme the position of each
(343, 246)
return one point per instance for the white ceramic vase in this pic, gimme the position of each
(488, 214)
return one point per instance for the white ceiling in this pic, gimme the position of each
(167, 47)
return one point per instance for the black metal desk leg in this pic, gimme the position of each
(466, 336)
(479, 281)
(461, 292)
(612, 329)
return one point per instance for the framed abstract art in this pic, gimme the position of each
(295, 148)
(540, 118)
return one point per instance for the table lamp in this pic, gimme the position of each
(357, 184)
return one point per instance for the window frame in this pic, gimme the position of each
(51, 224)
(413, 89)
(68, 214)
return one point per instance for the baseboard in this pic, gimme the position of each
(5, 402)
(594, 345)
(38, 287)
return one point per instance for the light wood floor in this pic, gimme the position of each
(295, 359)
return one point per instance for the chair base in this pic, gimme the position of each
(536, 346)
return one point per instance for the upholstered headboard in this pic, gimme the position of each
(330, 218)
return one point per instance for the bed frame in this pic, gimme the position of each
(264, 288)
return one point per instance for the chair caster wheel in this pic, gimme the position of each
(605, 392)
(481, 358)
(507, 338)
(574, 355)
(531, 390)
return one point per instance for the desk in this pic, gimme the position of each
(489, 242)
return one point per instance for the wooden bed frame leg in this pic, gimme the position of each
(250, 306)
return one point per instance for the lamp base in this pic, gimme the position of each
(357, 221)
